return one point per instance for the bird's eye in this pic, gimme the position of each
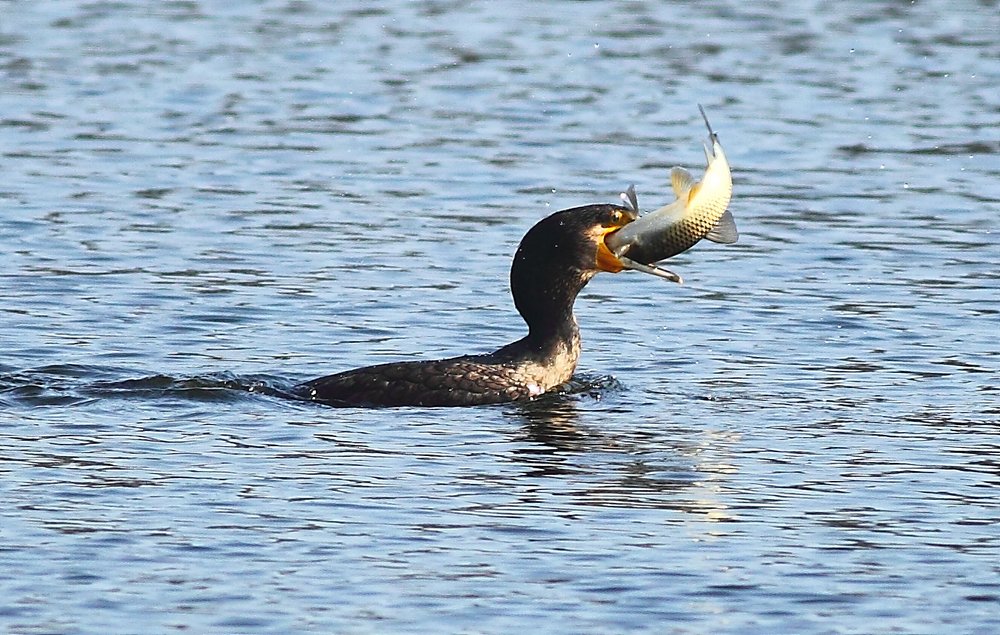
(616, 217)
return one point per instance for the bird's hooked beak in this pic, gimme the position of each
(608, 261)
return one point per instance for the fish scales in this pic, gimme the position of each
(700, 211)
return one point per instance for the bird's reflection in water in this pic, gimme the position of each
(553, 425)
(666, 466)
(553, 422)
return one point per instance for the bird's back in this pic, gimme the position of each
(458, 381)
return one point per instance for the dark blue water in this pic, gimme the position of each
(204, 202)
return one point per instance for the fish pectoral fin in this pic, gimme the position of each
(666, 274)
(725, 231)
(681, 180)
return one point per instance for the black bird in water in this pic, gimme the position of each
(555, 260)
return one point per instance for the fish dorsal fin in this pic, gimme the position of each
(725, 231)
(681, 180)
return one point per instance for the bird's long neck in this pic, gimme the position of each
(544, 294)
(551, 349)
(548, 313)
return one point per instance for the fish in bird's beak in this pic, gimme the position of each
(607, 261)
(700, 211)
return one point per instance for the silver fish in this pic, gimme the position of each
(700, 211)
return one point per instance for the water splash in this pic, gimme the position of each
(75, 384)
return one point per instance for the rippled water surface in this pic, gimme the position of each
(203, 202)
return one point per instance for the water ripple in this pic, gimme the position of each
(206, 203)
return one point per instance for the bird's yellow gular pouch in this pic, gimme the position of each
(607, 261)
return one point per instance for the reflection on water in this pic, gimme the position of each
(208, 202)
(681, 474)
